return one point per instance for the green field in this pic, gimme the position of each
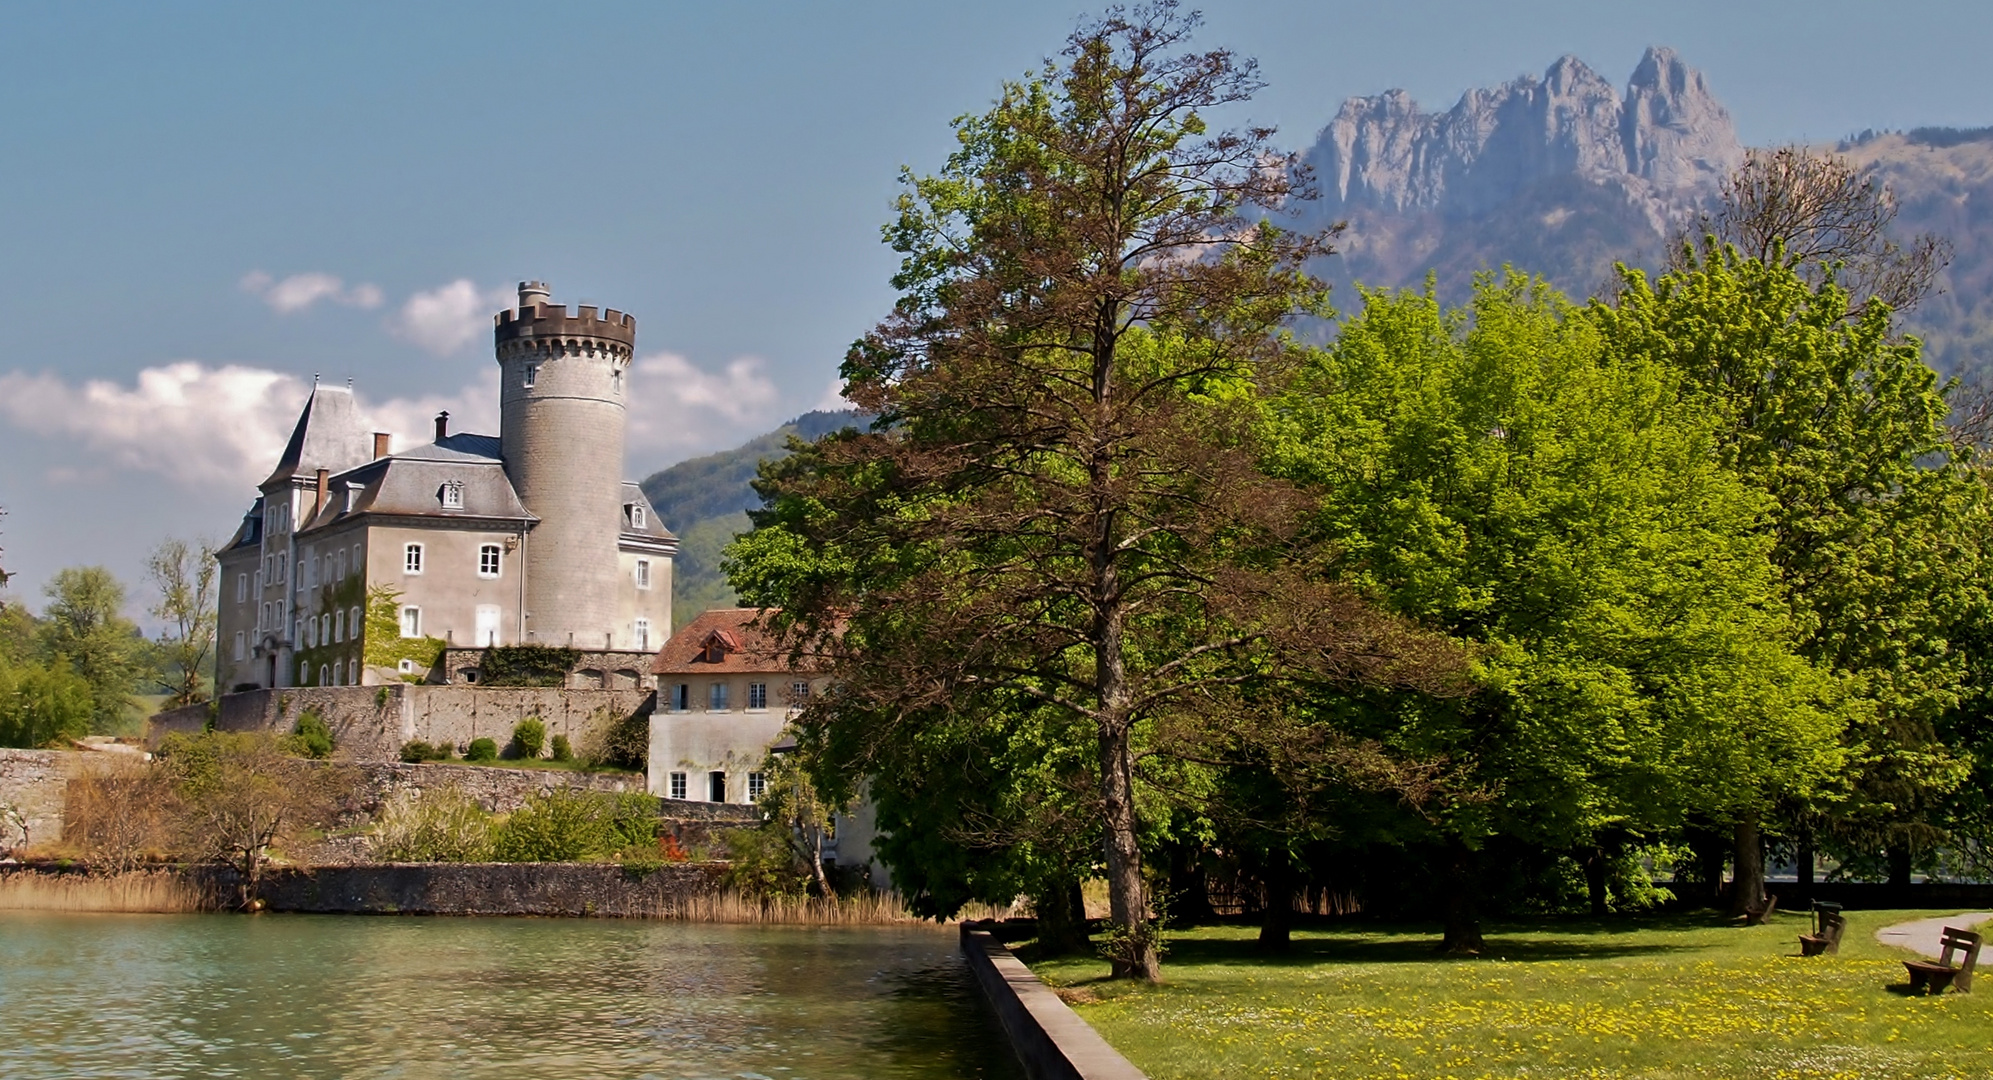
(1672, 996)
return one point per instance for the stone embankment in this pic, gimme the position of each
(1049, 1037)
(32, 787)
(371, 723)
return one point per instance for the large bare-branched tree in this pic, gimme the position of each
(1818, 213)
(1059, 510)
(183, 577)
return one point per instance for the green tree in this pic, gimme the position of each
(1875, 525)
(184, 601)
(1058, 507)
(42, 704)
(1500, 473)
(84, 625)
(240, 795)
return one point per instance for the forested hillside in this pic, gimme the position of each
(705, 501)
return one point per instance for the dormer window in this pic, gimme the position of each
(718, 644)
(637, 516)
(453, 494)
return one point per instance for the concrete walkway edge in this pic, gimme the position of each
(1049, 1037)
(1922, 936)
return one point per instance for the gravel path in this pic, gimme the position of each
(1922, 936)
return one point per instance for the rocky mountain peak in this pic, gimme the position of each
(1664, 145)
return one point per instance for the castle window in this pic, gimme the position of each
(678, 785)
(238, 645)
(352, 673)
(757, 695)
(323, 678)
(297, 634)
(637, 516)
(411, 622)
(342, 564)
(643, 573)
(757, 784)
(338, 626)
(643, 633)
(406, 667)
(357, 564)
(716, 697)
(411, 559)
(353, 620)
(279, 623)
(531, 377)
(310, 569)
(241, 588)
(304, 674)
(453, 494)
(487, 560)
(616, 380)
(325, 628)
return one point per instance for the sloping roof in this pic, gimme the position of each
(752, 649)
(250, 532)
(410, 484)
(653, 525)
(329, 435)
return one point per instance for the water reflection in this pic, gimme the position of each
(319, 996)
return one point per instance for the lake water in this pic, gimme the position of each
(329, 996)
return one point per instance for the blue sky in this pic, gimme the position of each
(207, 203)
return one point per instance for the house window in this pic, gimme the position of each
(339, 626)
(453, 494)
(637, 516)
(757, 695)
(239, 653)
(411, 559)
(757, 784)
(487, 560)
(643, 633)
(241, 588)
(716, 786)
(678, 785)
(411, 622)
(531, 378)
(716, 697)
(799, 693)
(643, 573)
(681, 697)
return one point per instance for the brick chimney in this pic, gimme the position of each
(380, 445)
(324, 489)
(442, 425)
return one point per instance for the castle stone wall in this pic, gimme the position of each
(33, 783)
(370, 723)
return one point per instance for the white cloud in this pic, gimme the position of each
(209, 427)
(832, 399)
(194, 424)
(446, 319)
(678, 408)
(300, 291)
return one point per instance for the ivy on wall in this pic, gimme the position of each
(526, 665)
(384, 646)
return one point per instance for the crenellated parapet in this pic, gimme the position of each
(537, 327)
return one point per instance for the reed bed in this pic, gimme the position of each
(160, 891)
(870, 909)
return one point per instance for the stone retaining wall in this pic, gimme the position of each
(370, 723)
(498, 790)
(1049, 1037)
(32, 784)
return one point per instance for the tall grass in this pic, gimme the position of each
(137, 891)
(864, 910)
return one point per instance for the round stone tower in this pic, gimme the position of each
(561, 433)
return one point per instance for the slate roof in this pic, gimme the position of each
(410, 484)
(329, 435)
(750, 649)
(653, 528)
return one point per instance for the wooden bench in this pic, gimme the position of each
(1827, 939)
(1756, 916)
(1933, 976)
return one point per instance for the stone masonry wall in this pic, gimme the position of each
(33, 783)
(498, 790)
(370, 723)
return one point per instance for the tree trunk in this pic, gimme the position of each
(816, 833)
(1190, 890)
(1278, 918)
(1595, 868)
(1127, 904)
(1747, 888)
(1710, 854)
(1802, 859)
(1061, 915)
(1463, 883)
(1898, 856)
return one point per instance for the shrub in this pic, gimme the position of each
(415, 751)
(526, 665)
(557, 826)
(622, 742)
(762, 864)
(481, 750)
(634, 820)
(444, 825)
(311, 738)
(563, 750)
(530, 736)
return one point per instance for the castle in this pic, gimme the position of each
(356, 566)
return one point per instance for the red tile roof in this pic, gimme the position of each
(745, 647)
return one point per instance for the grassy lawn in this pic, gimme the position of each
(1672, 996)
